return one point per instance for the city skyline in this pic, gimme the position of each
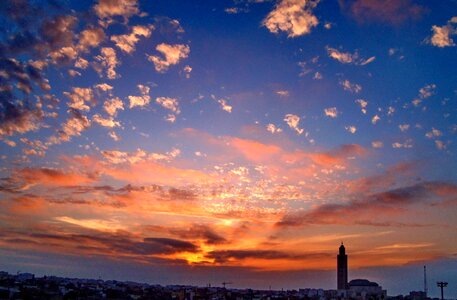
(237, 140)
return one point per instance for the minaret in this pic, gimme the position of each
(342, 268)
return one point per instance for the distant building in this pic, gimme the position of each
(342, 269)
(365, 289)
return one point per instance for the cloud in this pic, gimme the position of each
(127, 42)
(393, 12)
(273, 129)
(351, 129)
(377, 144)
(375, 119)
(404, 127)
(19, 118)
(293, 122)
(90, 38)
(169, 103)
(192, 232)
(283, 93)
(114, 136)
(224, 105)
(368, 210)
(351, 87)
(348, 58)
(79, 97)
(442, 35)
(105, 122)
(407, 144)
(172, 55)
(73, 126)
(331, 112)
(111, 106)
(108, 61)
(424, 92)
(111, 8)
(342, 57)
(104, 87)
(433, 133)
(51, 177)
(295, 17)
(363, 105)
(142, 100)
(226, 256)
(58, 32)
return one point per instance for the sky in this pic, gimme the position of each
(196, 142)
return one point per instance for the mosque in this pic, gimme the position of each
(357, 288)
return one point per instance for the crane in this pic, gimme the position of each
(225, 283)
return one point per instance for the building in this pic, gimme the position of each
(365, 289)
(342, 269)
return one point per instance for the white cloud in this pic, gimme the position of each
(170, 118)
(104, 87)
(342, 57)
(187, 69)
(433, 133)
(351, 129)
(172, 54)
(317, 76)
(348, 58)
(79, 97)
(363, 105)
(331, 112)
(114, 136)
(351, 87)
(81, 63)
(282, 93)
(111, 106)
(377, 144)
(273, 129)
(442, 34)
(407, 144)
(127, 42)
(403, 127)
(440, 145)
(424, 93)
(111, 8)
(108, 61)
(224, 105)
(105, 122)
(295, 17)
(367, 61)
(169, 103)
(375, 119)
(74, 125)
(142, 100)
(293, 122)
(89, 38)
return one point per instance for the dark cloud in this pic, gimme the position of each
(394, 12)
(365, 211)
(119, 243)
(226, 255)
(199, 232)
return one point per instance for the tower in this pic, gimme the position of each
(342, 268)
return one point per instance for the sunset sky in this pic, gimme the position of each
(195, 142)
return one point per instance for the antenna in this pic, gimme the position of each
(425, 281)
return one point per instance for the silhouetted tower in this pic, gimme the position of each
(441, 285)
(425, 282)
(342, 268)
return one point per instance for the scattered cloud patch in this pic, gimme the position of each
(293, 121)
(294, 17)
(172, 55)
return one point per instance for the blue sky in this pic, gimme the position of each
(217, 138)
